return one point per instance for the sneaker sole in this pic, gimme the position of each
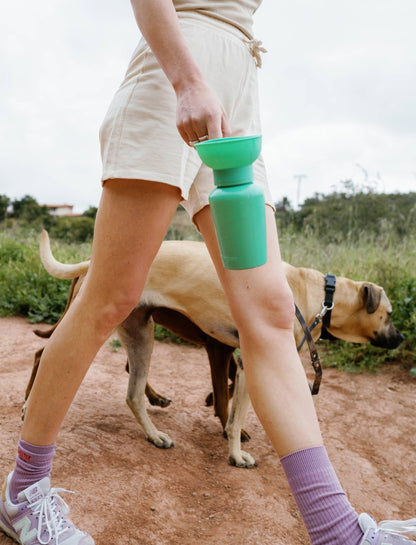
(8, 530)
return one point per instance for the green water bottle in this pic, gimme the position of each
(237, 204)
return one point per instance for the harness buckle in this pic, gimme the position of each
(324, 310)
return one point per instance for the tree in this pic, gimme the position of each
(28, 210)
(284, 213)
(91, 212)
(354, 213)
(4, 203)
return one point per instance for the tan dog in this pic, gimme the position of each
(183, 293)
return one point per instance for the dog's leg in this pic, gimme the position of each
(31, 380)
(151, 394)
(46, 334)
(155, 398)
(209, 400)
(239, 408)
(136, 333)
(219, 356)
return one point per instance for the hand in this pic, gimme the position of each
(200, 113)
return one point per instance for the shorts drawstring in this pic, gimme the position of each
(255, 47)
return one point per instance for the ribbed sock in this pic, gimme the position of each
(33, 463)
(325, 509)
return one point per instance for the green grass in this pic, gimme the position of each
(26, 289)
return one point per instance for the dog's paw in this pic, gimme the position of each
(243, 459)
(160, 401)
(161, 440)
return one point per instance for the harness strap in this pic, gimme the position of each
(330, 281)
(316, 363)
(325, 314)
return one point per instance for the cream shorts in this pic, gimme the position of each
(139, 138)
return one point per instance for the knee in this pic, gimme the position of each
(279, 308)
(273, 311)
(111, 311)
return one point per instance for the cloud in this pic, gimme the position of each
(63, 63)
(337, 89)
(331, 153)
(337, 92)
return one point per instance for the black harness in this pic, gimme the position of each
(330, 281)
(325, 316)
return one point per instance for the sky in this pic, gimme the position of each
(337, 89)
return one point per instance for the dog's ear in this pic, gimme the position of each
(371, 295)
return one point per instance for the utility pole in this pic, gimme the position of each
(299, 178)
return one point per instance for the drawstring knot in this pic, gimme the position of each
(255, 47)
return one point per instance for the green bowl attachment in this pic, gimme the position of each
(230, 158)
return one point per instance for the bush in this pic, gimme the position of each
(73, 229)
(351, 214)
(26, 289)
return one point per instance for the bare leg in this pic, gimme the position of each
(132, 221)
(262, 306)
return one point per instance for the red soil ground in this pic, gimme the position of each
(131, 493)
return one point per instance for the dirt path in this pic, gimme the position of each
(131, 493)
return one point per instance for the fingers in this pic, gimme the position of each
(225, 127)
(200, 130)
(200, 115)
(207, 128)
(201, 139)
(191, 130)
(214, 126)
(217, 127)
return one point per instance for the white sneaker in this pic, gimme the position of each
(39, 517)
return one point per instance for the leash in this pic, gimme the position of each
(316, 362)
(325, 316)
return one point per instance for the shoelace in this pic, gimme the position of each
(50, 509)
(407, 527)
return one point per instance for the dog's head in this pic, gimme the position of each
(367, 318)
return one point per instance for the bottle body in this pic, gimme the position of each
(237, 204)
(240, 222)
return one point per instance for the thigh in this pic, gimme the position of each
(257, 295)
(132, 220)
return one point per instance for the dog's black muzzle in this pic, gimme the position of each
(388, 341)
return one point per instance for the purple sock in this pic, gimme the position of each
(325, 509)
(33, 463)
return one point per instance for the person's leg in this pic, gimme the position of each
(131, 223)
(263, 309)
(132, 220)
(262, 306)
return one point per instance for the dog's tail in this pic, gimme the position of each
(55, 268)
